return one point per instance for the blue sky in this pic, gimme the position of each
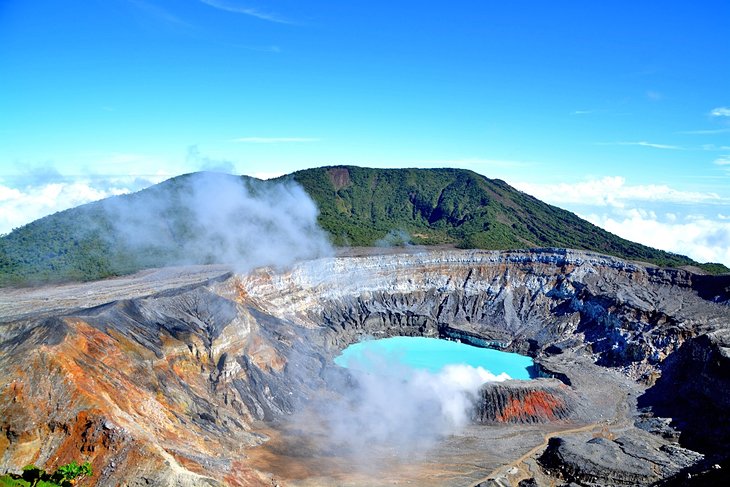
(619, 111)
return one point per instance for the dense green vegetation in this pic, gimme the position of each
(358, 206)
(32, 476)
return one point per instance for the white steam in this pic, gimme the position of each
(401, 408)
(394, 238)
(218, 218)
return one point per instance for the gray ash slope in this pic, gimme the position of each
(153, 387)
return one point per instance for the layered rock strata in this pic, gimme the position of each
(174, 387)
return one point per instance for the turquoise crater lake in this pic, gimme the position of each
(432, 354)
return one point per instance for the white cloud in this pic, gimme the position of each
(34, 191)
(701, 238)
(723, 161)
(19, 206)
(613, 191)
(274, 140)
(673, 223)
(122, 166)
(720, 112)
(229, 7)
(9, 194)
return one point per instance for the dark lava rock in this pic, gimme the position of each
(694, 390)
(658, 426)
(599, 461)
(706, 474)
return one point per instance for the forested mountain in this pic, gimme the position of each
(357, 206)
(361, 206)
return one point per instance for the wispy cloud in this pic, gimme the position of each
(253, 12)
(705, 132)
(475, 163)
(644, 143)
(275, 140)
(654, 95)
(723, 161)
(720, 112)
(159, 12)
(204, 163)
(272, 48)
(713, 147)
(31, 191)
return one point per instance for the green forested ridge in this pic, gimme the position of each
(83, 243)
(358, 206)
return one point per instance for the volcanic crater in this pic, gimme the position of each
(200, 376)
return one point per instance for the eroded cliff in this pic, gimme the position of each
(184, 386)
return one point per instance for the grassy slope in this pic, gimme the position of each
(358, 206)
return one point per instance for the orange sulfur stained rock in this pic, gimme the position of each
(535, 401)
(534, 404)
(130, 396)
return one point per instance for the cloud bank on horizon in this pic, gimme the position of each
(691, 223)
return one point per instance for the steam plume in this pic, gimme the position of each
(218, 218)
(395, 407)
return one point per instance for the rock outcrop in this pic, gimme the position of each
(175, 387)
(631, 460)
(694, 390)
(537, 401)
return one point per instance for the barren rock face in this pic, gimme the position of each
(629, 315)
(183, 387)
(538, 401)
(634, 460)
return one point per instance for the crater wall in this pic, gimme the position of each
(173, 388)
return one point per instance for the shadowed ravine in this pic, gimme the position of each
(228, 379)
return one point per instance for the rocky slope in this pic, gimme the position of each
(694, 387)
(194, 384)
